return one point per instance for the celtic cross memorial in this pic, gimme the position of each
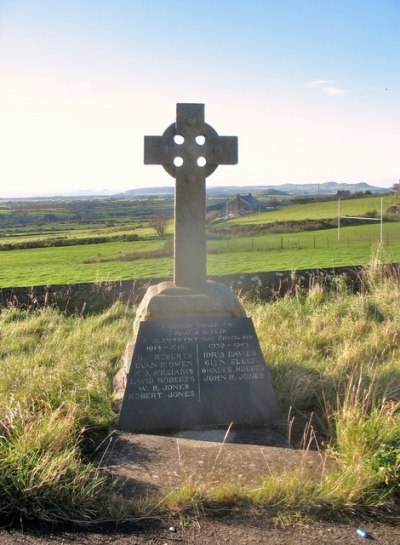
(195, 359)
(190, 150)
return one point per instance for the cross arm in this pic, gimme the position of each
(221, 150)
(158, 150)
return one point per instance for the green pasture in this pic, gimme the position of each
(303, 250)
(246, 254)
(60, 265)
(354, 235)
(317, 210)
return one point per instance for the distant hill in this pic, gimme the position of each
(326, 188)
(245, 189)
(150, 191)
(211, 191)
(272, 192)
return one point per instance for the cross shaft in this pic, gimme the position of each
(190, 150)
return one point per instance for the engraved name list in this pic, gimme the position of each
(190, 371)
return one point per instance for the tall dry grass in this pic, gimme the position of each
(55, 386)
(334, 355)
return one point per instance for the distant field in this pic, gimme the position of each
(23, 222)
(238, 255)
(69, 233)
(74, 229)
(313, 210)
(36, 218)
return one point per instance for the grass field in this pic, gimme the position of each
(305, 249)
(67, 265)
(320, 210)
(239, 255)
(335, 355)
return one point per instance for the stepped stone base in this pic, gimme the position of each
(166, 299)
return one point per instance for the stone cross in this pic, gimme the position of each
(190, 150)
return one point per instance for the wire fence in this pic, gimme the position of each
(305, 241)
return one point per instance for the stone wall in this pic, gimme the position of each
(76, 298)
(95, 297)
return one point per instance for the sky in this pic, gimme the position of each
(310, 87)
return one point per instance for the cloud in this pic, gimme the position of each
(326, 86)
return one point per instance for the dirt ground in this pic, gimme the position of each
(143, 463)
(234, 530)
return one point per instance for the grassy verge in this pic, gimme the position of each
(334, 355)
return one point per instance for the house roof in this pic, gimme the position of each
(249, 199)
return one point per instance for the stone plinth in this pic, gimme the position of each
(195, 371)
(165, 299)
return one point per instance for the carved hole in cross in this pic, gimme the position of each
(178, 161)
(201, 161)
(179, 139)
(200, 140)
